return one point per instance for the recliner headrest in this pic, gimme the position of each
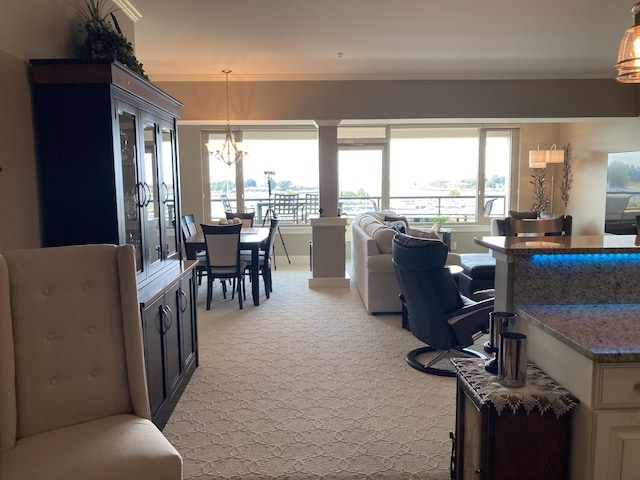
(419, 254)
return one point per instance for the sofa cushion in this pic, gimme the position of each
(384, 238)
(479, 265)
(422, 233)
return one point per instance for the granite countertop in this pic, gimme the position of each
(562, 244)
(602, 333)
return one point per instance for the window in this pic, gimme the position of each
(443, 172)
(292, 157)
(458, 172)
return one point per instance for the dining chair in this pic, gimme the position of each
(226, 204)
(310, 206)
(560, 225)
(264, 258)
(188, 228)
(245, 218)
(223, 258)
(286, 206)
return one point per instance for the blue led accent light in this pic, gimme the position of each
(584, 258)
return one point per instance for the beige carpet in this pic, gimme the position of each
(309, 386)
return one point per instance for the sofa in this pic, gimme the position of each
(372, 267)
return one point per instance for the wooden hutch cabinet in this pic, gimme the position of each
(108, 173)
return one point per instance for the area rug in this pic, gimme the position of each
(307, 386)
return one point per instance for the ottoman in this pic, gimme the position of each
(478, 272)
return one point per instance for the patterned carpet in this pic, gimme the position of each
(309, 386)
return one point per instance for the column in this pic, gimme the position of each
(328, 231)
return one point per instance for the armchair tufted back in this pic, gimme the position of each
(70, 337)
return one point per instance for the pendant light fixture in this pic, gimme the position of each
(628, 65)
(230, 152)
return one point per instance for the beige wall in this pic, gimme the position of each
(44, 29)
(33, 29)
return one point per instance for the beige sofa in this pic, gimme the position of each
(372, 267)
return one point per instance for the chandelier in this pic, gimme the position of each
(628, 65)
(230, 152)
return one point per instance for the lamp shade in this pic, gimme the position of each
(628, 65)
(554, 156)
(537, 158)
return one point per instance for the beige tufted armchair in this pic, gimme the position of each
(73, 394)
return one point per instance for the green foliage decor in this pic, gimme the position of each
(104, 40)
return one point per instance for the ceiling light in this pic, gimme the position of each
(628, 65)
(229, 152)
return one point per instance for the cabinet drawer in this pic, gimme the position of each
(619, 385)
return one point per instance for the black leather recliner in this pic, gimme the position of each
(436, 312)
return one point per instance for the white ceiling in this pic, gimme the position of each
(379, 39)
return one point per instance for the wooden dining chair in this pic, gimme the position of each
(549, 226)
(188, 228)
(245, 218)
(223, 258)
(264, 259)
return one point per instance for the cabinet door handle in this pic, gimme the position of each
(147, 194)
(168, 318)
(139, 194)
(636, 387)
(165, 195)
(183, 296)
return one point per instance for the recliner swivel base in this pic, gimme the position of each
(430, 367)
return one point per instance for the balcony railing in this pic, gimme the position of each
(418, 209)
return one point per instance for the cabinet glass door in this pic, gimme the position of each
(167, 191)
(127, 141)
(151, 207)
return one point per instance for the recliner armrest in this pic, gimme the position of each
(469, 320)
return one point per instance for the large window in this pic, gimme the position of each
(460, 173)
(285, 160)
(444, 172)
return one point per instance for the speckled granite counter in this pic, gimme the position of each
(589, 269)
(569, 244)
(602, 333)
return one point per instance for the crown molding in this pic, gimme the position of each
(128, 9)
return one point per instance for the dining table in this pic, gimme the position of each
(251, 238)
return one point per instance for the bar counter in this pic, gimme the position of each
(568, 270)
(577, 298)
(562, 244)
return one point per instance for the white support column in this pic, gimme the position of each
(328, 231)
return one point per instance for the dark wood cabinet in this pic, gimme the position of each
(171, 344)
(108, 173)
(507, 433)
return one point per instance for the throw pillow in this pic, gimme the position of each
(390, 218)
(421, 233)
(397, 226)
(550, 216)
(522, 215)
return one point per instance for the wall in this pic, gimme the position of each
(44, 29)
(33, 29)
